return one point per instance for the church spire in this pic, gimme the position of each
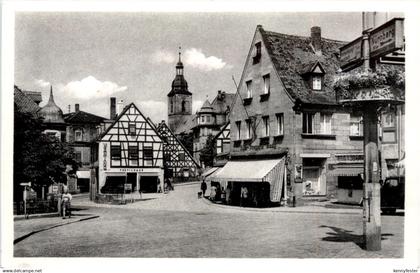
(179, 65)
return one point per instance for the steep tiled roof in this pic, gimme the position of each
(81, 117)
(36, 96)
(220, 105)
(24, 103)
(291, 54)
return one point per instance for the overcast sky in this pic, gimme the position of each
(88, 57)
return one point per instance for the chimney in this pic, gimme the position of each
(316, 40)
(76, 107)
(120, 107)
(112, 110)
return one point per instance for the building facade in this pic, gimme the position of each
(178, 163)
(81, 134)
(130, 152)
(286, 103)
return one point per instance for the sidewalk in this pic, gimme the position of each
(319, 207)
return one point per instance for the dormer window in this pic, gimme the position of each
(317, 82)
(257, 57)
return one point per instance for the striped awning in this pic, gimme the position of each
(269, 170)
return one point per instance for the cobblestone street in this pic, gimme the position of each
(180, 225)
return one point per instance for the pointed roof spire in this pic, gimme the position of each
(51, 94)
(179, 54)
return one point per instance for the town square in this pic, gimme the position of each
(210, 135)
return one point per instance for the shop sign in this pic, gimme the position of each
(104, 156)
(351, 54)
(387, 38)
(132, 170)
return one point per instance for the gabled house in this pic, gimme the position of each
(286, 108)
(130, 153)
(179, 164)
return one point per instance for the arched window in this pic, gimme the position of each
(172, 106)
(183, 106)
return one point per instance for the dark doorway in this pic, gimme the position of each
(132, 179)
(148, 183)
(83, 184)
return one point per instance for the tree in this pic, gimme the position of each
(208, 152)
(38, 158)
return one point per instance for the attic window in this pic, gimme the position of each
(257, 57)
(316, 82)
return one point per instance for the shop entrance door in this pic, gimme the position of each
(148, 184)
(311, 181)
(132, 179)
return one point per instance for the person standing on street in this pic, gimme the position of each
(203, 187)
(66, 203)
(244, 196)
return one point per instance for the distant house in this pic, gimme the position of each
(81, 134)
(210, 119)
(130, 152)
(179, 164)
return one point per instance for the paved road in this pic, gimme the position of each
(180, 225)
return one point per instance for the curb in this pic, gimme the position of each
(186, 184)
(39, 215)
(285, 210)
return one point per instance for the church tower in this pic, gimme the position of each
(179, 98)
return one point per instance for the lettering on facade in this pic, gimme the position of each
(104, 156)
(132, 170)
(386, 38)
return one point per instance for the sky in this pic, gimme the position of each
(89, 57)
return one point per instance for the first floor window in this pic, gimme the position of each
(148, 153)
(249, 89)
(308, 123)
(266, 79)
(78, 135)
(356, 125)
(248, 129)
(133, 152)
(115, 152)
(280, 124)
(325, 120)
(238, 128)
(266, 126)
(78, 156)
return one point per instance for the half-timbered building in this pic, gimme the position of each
(178, 162)
(222, 146)
(130, 153)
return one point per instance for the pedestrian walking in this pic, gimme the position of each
(227, 194)
(66, 203)
(213, 190)
(244, 196)
(203, 187)
(223, 195)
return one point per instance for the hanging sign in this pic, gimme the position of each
(387, 38)
(351, 54)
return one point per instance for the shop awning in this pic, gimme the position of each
(269, 170)
(246, 171)
(209, 171)
(83, 174)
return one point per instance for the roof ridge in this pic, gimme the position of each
(302, 37)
